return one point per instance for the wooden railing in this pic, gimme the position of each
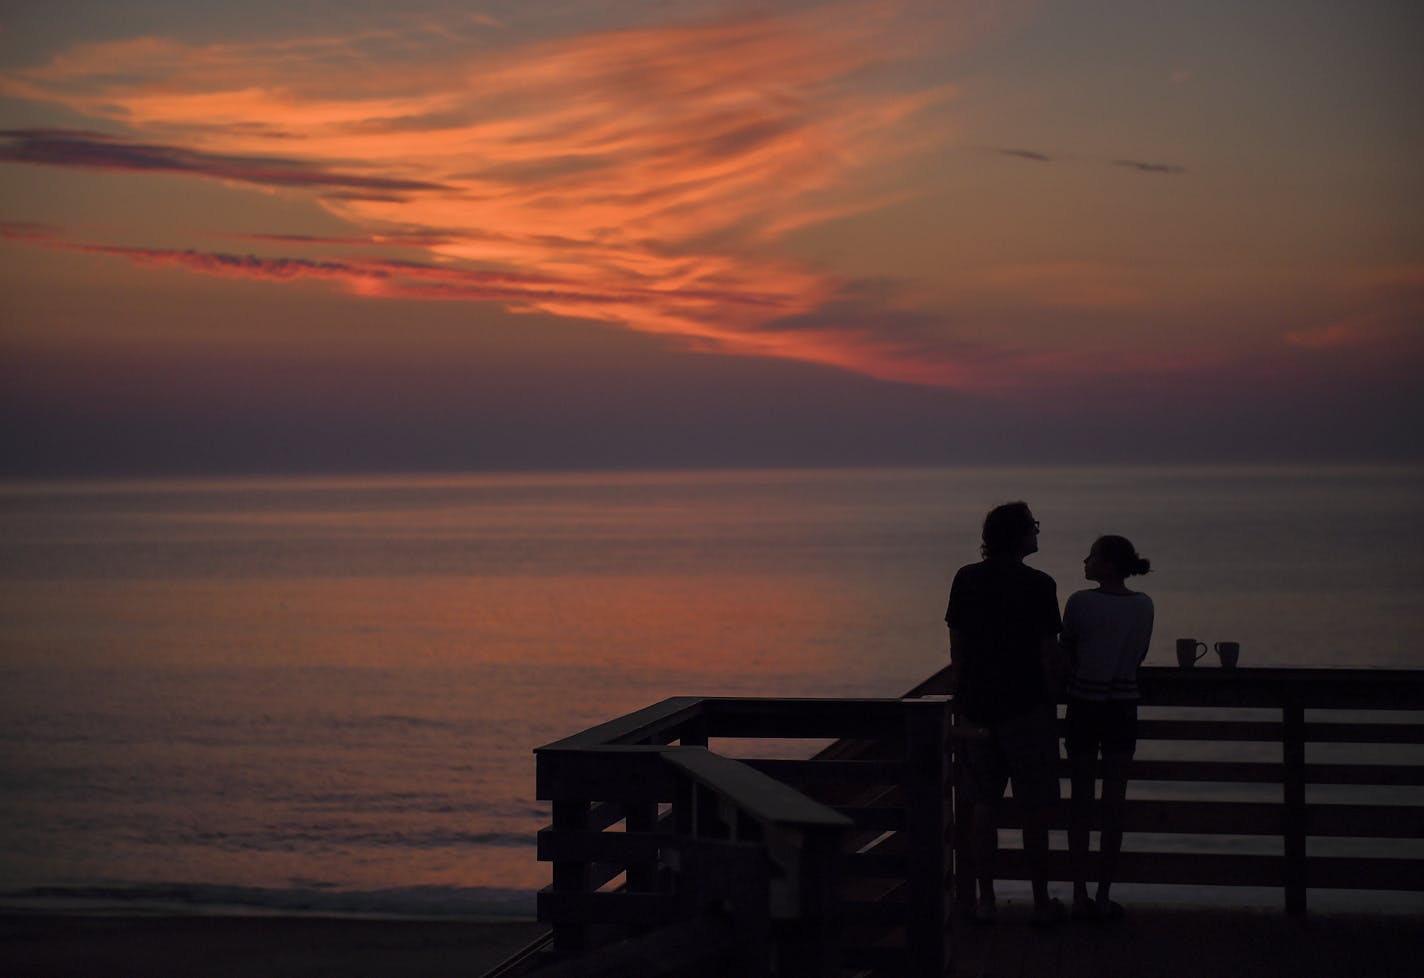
(669, 858)
(1223, 717)
(846, 869)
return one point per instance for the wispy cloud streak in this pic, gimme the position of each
(644, 175)
(1026, 154)
(1037, 156)
(1141, 167)
(384, 277)
(95, 151)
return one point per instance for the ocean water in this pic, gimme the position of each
(324, 694)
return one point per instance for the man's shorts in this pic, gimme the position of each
(1022, 748)
(1109, 726)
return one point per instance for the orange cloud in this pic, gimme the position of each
(644, 174)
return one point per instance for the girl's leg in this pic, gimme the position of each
(1115, 767)
(1079, 822)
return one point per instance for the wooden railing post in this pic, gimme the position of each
(1293, 756)
(926, 731)
(814, 950)
(642, 817)
(570, 876)
(960, 830)
(694, 732)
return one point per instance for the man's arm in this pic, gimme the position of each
(956, 641)
(1055, 664)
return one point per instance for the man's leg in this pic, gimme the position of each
(1032, 752)
(987, 778)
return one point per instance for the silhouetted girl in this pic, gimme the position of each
(1106, 632)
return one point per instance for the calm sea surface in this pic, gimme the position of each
(324, 694)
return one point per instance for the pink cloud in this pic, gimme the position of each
(1387, 314)
(1354, 332)
(645, 174)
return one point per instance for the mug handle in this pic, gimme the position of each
(1204, 649)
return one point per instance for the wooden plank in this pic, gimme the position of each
(1356, 689)
(1217, 869)
(601, 874)
(1374, 774)
(886, 819)
(664, 715)
(1171, 817)
(1366, 873)
(571, 876)
(1380, 689)
(1237, 730)
(641, 824)
(798, 717)
(1364, 733)
(1203, 817)
(877, 912)
(1270, 772)
(621, 774)
(813, 948)
(763, 797)
(875, 865)
(926, 727)
(612, 847)
(1366, 821)
(1293, 756)
(1223, 771)
(604, 814)
(829, 772)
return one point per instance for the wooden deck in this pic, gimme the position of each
(1169, 941)
(1194, 942)
(672, 859)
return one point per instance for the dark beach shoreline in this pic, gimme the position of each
(58, 945)
(1160, 939)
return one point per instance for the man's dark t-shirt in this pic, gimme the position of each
(1002, 611)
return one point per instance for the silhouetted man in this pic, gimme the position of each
(1003, 624)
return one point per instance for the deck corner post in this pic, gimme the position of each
(1293, 787)
(814, 951)
(642, 817)
(960, 819)
(926, 731)
(570, 876)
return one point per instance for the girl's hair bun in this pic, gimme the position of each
(1124, 557)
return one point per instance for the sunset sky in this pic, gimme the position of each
(438, 235)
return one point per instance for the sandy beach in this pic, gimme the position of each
(36, 945)
(1163, 941)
